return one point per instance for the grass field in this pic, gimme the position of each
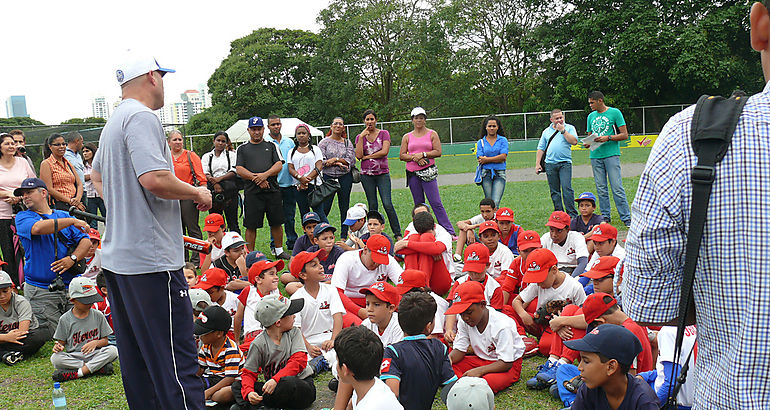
(28, 384)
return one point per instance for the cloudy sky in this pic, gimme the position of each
(62, 54)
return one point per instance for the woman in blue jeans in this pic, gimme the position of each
(339, 158)
(372, 147)
(491, 153)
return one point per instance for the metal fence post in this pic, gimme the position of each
(525, 126)
(451, 139)
(644, 123)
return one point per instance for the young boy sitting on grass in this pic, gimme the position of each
(189, 274)
(416, 367)
(359, 357)
(279, 354)
(465, 228)
(605, 240)
(20, 333)
(323, 238)
(104, 305)
(214, 282)
(500, 257)
(303, 243)
(321, 318)
(568, 246)
(509, 231)
(375, 224)
(355, 220)
(234, 261)
(414, 281)
(81, 348)
(606, 354)
(513, 283)
(587, 220)
(263, 279)
(423, 252)
(219, 358)
(491, 335)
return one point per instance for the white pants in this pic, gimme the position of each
(94, 360)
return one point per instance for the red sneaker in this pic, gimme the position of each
(530, 347)
(60, 375)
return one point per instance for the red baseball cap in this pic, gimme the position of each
(487, 225)
(301, 259)
(476, 258)
(539, 262)
(466, 294)
(528, 240)
(504, 214)
(383, 291)
(605, 266)
(213, 222)
(94, 234)
(212, 277)
(559, 220)
(410, 279)
(594, 306)
(380, 247)
(263, 265)
(603, 232)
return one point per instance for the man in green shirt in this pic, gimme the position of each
(608, 125)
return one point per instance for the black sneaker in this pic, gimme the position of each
(60, 375)
(334, 384)
(105, 370)
(11, 358)
(284, 255)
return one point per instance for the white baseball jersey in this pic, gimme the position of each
(498, 341)
(392, 333)
(315, 319)
(379, 397)
(499, 261)
(666, 344)
(570, 290)
(230, 304)
(351, 275)
(253, 296)
(441, 306)
(567, 255)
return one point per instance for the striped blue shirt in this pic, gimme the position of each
(732, 285)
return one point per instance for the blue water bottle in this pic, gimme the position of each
(59, 401)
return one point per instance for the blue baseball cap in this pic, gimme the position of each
(611, 341)
(29, 183)
(321, 228)
(586, 196)
(256, 122)
(254, 257)
(310, 217)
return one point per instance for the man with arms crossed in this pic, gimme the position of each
(142, 249)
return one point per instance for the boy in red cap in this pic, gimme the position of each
(552, 284)
(423, 252)
(475, 267)
(513, 283)
(500, 257)
(497, 347)
(509, 231)
(465, 235)
(214, 226)
(605, 241)
(321, 317)
(568, 246)
(356, 270)
(213, 281)
(414, 281)
(602, 274)
(263, 280)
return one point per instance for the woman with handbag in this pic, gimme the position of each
(13, 170)
(305, 162)
(339, 160)
(95, 202)
(372, 147)
(188, 168)
(64, 187)
(223, 182)
(419, 149)
(491, 154)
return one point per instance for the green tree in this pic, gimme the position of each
(18, 122)
(88, 120)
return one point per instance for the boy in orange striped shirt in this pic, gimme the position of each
(219, 358)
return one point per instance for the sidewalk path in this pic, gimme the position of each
(515, 175)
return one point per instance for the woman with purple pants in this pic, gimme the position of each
(419, 149)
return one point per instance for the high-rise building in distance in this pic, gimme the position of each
(16, 106)
(100, 108)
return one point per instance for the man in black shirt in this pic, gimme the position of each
(258, 163)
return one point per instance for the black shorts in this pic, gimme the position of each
(256, 205)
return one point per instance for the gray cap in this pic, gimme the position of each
(470, 393)
(197, 296)
(272, 308)
(84, 291)
(5, 280)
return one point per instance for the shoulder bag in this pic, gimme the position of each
(545, 151)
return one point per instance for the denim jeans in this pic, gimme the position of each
(560, 182)
(374, 183)
(493, 184)
(303, 203)
(609, 169)
(92, 206)
(343, 200)
(288, 196)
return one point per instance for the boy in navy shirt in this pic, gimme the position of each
(509, 231)
(606, 355)
(303, 243)
(587, 219)
(416, 367)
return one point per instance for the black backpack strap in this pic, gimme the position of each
(713, 125)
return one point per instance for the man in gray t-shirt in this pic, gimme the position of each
(20, 333)
(142, 248)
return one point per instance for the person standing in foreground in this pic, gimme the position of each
(731, 273)
(608, 125)
(558, 161)
(134, 173)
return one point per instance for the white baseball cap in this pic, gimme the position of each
(470, 393)
(135, 65)
(231, 240)
(418, 110)
(354, 214)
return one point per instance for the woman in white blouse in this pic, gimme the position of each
(219, 167)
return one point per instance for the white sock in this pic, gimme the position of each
(278, 251)
(551, 360)
(563, 361)
(80, 372)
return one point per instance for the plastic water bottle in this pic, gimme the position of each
(59, 401)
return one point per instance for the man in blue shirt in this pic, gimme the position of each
(558, 161)
(74, 146)
(43, 263)
(285, 182)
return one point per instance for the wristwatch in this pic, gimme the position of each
(74, 258)
(563, 131)
(424, 155)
